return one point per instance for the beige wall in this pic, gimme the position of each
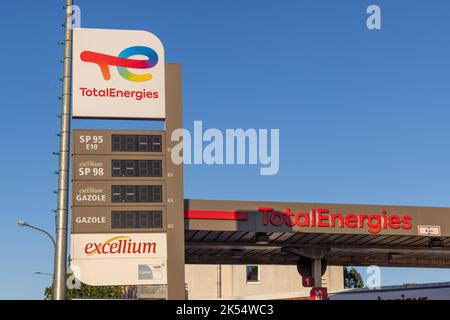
(274, 279)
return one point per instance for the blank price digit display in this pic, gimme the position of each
(136, 143)
(136, 193)
(136, 219)
(136, 168)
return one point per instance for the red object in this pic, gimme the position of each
(218, 215)
(323, 218)
(307, 282)
(319, 293)
(105, 60)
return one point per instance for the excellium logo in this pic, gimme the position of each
(119, 245)
(122, 62)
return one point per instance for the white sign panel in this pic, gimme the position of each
(120, 272)
(424, 230)
(117, 74)
(118, 246)
(119, 259)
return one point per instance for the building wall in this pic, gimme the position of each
(202, 281)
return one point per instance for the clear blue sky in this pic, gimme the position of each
(363, 115)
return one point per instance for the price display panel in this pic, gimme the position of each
(118, 220)
(136, 168)
(118, 142)
(118, 193)
(136, 193)
(136, 219)
(136, 143)
(113, 167)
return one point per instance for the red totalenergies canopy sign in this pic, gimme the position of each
(320, 217)
(324, 218)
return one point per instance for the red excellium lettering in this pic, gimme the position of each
(119, 245)
(322, 218)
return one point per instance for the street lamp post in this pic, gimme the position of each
(25, 224)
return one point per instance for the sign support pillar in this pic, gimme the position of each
(317, 272)
(174, 186)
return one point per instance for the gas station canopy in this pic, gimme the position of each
(242, 232)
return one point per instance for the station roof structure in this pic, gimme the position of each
(249, 232)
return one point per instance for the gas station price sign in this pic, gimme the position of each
(113, 167)
(126, 193)
(118, 193)
(118, 142)
(119, 181)
(116, 219)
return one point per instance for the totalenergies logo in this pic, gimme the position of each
(119, 245)
(122, 62)
(323, 218)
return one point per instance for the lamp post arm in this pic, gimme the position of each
(42, 230)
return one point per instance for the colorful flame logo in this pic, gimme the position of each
(122, 62)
